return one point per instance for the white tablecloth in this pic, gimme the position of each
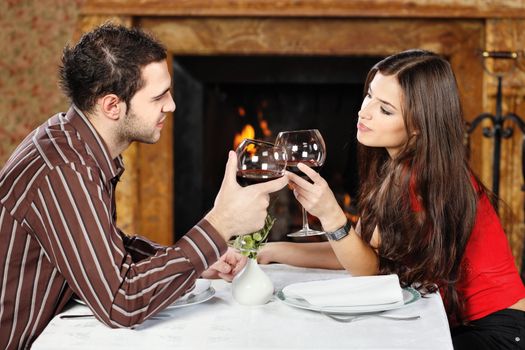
(221, 323)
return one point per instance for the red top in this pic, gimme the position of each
(490, 281)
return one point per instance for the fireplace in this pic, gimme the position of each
(249, 35)
(222, 99)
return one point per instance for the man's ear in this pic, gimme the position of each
(111, 106)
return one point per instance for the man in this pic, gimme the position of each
(58, 234)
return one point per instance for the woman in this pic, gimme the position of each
(423, 214)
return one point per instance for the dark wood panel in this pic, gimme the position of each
(302, 36)
(311, 8)
(508, 35)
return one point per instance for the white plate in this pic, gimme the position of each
(202, 292)
(409, 296)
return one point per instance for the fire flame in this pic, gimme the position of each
(263, 124)
(347, 200)
(248, 132)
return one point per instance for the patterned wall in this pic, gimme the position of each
(31, 40)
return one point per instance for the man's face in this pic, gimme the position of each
(148, 107)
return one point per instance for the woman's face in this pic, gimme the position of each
(381, 121)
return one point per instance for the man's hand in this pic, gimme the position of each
(241, 210)
(227, 266)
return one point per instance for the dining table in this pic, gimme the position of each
(219, 322)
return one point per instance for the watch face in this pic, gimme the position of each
(340, 233)
(336, 235)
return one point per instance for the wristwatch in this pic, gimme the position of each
(340, 233)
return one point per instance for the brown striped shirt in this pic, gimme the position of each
(58, 236)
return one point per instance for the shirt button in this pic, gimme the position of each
(517, 339)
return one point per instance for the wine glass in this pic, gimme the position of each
(303, 146)
(258, 161)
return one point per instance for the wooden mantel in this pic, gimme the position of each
(458, 29)
(310, 8)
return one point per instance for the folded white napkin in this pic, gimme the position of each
(348, 291)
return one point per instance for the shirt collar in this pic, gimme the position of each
(111, 168)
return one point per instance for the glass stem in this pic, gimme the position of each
(305, 221)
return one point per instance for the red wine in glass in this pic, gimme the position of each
(259, 161)
(255, 176)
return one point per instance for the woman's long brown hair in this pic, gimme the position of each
(423, 201)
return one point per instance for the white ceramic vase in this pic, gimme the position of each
(252, 286)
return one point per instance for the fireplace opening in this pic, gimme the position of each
(222, 99)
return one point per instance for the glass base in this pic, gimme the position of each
(308, 232)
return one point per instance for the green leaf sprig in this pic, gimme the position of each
(250, 244)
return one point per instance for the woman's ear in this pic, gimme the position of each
(111, 106)
(413, 137)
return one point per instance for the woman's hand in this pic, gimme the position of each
(265, 254)
(317, 198)
(227, 266)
